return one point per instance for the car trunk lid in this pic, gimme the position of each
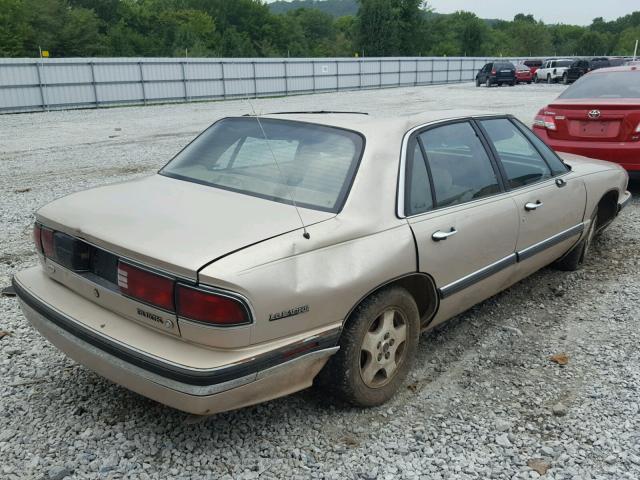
(172, 225)
(602, 120)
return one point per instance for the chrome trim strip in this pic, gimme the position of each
(477, 276)
(549, 242)
(507, 261)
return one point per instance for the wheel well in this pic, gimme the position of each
(420, 286)
(607, 209)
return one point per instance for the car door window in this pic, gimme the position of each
(418, 196)
(460, 168)
(557, 166)
(521, 161)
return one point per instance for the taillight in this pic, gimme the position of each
(210, 307)
(545, 121)
(46, 237)
(493, 72)
(638, 128)
(36, 237)
(146, 286)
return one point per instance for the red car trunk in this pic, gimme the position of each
(610, 121)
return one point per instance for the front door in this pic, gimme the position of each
(549, 200)
(465, 226)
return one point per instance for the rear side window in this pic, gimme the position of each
(418, 196)
(557, 166)
(522, 162)
(605, 85)
(460, 167)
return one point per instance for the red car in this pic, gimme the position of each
(597, 117)
(523, 74)
(533, 65)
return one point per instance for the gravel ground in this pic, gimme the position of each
(484, 400)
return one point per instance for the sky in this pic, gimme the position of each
(575, 12)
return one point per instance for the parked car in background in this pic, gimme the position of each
(533, 65)
(552, 70)
(496, 73)
(271, 250)
(598, 117)
(582, 66)
(523, 74)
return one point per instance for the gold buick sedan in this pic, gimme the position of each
(280, 250)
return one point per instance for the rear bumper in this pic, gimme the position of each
(200, 391)
(626, 154)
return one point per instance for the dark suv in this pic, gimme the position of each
(496, 73)
(582, 66)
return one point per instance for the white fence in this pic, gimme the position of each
(43, 84)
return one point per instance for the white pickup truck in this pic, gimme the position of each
(552, 70)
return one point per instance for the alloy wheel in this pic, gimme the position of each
(383, 348)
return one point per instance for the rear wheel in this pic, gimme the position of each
(477, 82)
(572, 260)
(512, 84)
(549, 80)
(565, 79)
(536, 79)
(488, 83)
(377, 347)
(529, 82)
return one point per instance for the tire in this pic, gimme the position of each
(572, 260)
(529, 82)
(359, 373)
(549, 81)
(488, 83)
(512, 84)
(477, 82)
(565, 79)
(536, 79)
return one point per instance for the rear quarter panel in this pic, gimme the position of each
(322, 278)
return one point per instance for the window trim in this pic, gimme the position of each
(401, 211)
(345, 190)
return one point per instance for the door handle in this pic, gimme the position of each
(440, 235)
(560, 182)
(533, 206)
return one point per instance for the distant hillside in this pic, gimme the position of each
(336, 8)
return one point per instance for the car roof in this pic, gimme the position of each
(622, 68)
(373, 124)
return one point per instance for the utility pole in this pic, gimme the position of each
(635, 51)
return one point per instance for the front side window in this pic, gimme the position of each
(460, 167)
(314, 163)
(521, 161)
(557, 166)
(605, 85)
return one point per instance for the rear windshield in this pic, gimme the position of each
(505, 66)
(605, 85)
(564, 63)
(314, 163)
(533, 63)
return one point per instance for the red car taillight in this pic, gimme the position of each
(545, 121)
(37, 230)
(493, 72)
(148, 287)
(209, 307)
(46, 238)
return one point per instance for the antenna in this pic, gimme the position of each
(273, 155)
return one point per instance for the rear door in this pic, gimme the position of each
(465, 225)
(549, 201)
